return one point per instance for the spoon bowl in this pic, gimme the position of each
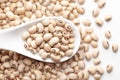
(11, 39)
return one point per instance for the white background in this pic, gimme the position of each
(107, 56)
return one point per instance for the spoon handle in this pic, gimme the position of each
(6, 39)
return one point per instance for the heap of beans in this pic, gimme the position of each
(17, 67)
(51, 38)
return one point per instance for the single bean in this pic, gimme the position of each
(115, 47)
(108, 34)
(105, 44)
(109, 68)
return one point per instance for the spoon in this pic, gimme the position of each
(11, 39)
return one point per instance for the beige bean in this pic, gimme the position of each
(38, 40)
(76, 68)
(64, 47)
(38, 74)
(28, 14)
(25, 35)
(94, 44)
(6, 65)
(58, 45)
(45, 22)
(75, 13)
(109, 68)
(27, 61)
(55, 50)
(105, 44)
(47, 47)
(28, 5)
(95, 53)
(63, 77)
(85, 75)
(2, 16)
(47, 36)
(51, 28)
(92, 70)
(13, 6)
(86, 22)
(71, 16)
(62, 54)
(69, 70)
(81, 64)
(108, 34)
(73, 64)
(76, 21)
(108, 17)
(81, 2)
(58, 28)
(68, 27)
(96, 61)
(97, 76)
(55, 58)
(100, 70)
(94, 36)
(57, 34)
(2, 76)
(71, 40)
(40, 27)
(33, 44)
(57, 7)
(26, 78)
(13, 0)
(45, 3)
(12, 76)
(33, 17)
(88, 56)
(99, 22)
(73, 76)
(53, 41)
(83, 34)
(80, 75)
(95, 0)
(64, 41)
(29, 40)
(38, 13)
(95, 12)
(10, 15)
(80, 9)
(66, 14)
(33, 29)
(5, 58)
(21, 67)
(67, 34)
(64, 3)
(88, 30)
(60, 22)
(36, 35)
(69, 52)
(19, 4)
(53, 22)
(43, 54)
(101, 3)
(115, 47)
(64, 65)
(86, 47)
(87, 39)
(20, 11)
(32, 76)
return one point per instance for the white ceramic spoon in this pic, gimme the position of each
(10, 39)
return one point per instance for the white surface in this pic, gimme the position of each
(107, 56)
(11, 39)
